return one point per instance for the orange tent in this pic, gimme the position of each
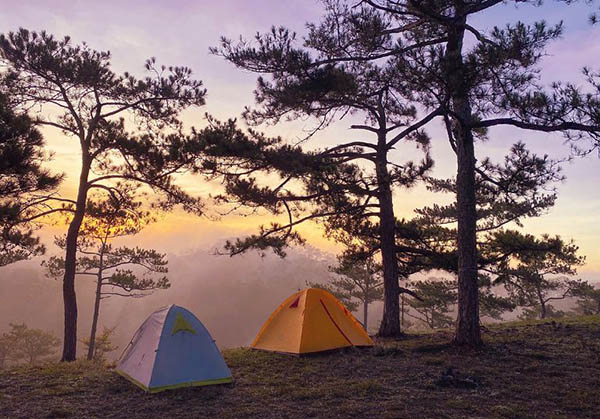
(311, 320)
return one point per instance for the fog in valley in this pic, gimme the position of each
(232, 296)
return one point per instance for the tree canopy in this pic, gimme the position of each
(24, 183)
(535, 279)
(22, 343)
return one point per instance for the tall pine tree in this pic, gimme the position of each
(79, 94)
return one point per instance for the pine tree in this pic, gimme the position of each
(30, 345)
(303, 84)
(436, 299)
(535, 279)
(356, 283)
(118, 271)
(491, 82)
(6, 349)
(103, 345)
(91, 103)
(588, 299)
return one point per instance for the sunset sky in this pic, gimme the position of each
(180, 32)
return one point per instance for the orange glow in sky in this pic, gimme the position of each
(138, 31)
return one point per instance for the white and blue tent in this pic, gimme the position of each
(173, 349)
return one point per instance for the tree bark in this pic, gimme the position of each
(402, 311)
(69, 297)
(541, 301)
(543, 311)
(92, 342)
(390, 323)
(467, 325)
(366, 315)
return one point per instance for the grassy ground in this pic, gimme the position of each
(538, 370)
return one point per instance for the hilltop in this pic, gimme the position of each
(535, 369)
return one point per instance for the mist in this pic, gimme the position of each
(232, 296)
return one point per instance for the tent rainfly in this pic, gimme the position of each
(311, 320)
(173, 349)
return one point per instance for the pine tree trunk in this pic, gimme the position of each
(541, 301)
(92, 342)
(543, 311)
(366, 315)
(467, 325)
(402, 311)
(70, 299)
(390, 323)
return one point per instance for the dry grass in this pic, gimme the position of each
(536, 369)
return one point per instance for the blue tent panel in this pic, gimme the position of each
(187, 354)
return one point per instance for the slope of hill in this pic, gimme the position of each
(536, 369)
